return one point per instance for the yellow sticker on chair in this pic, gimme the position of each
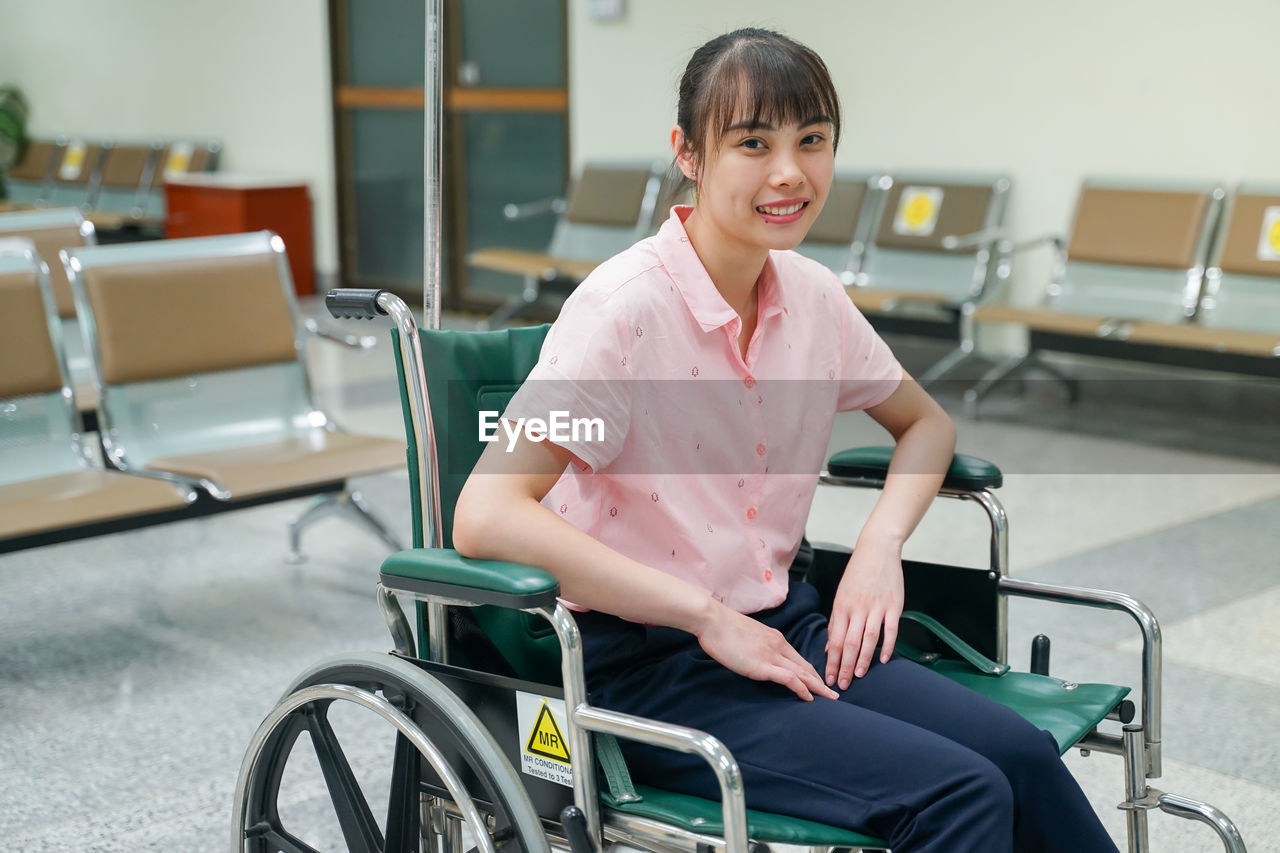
(917, 212)
(72, 160)
(544, 745)
(179, 160)
(1269, 240)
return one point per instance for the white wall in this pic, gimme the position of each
(252, 73)
(1045, 91)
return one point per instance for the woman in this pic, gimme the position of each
(715, 360)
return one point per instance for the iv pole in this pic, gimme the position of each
(433, 165)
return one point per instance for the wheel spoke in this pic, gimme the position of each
(359, 828)
(403, 814)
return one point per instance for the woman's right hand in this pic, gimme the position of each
(759, 652)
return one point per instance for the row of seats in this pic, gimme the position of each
(197, 358)
(120, 182)
(1166, 273)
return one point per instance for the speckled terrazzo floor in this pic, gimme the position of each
(134, 668)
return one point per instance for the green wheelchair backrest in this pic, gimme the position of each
(466, 373)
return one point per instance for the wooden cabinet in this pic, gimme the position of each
(201, 205)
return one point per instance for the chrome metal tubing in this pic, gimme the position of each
(1205, 813)
(582, 756)
(1152, 669)
(397, 622)
(433, 163)
(682, 739)
(1135, 791)
(322, 692)
(419, 416)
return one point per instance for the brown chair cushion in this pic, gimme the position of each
(1244, 237)
(165, 319)
(29, 364)
(871, 299)
(80, 497)
(34, 162)
(1201, 338)
(293, 463)
(1041, 319)
(532, 264)
(49, 242)
(1150, 228)
(125, 166)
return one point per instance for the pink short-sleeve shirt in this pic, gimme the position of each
(692, 459)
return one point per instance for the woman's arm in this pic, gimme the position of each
(499, 517)
(870, 596)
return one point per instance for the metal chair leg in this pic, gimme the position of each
(513, 307)
(348, 503)
(1005, 370)
(945, 365)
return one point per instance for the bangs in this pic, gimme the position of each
(757, 84)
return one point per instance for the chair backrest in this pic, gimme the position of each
(611, 206)
(466, 373)
(908, 250)
(51, 231)
(194, 343)
(28, 180)
(76, 172)
(38, 423)
(127, 174)
(839, 236)
(1242, 286)
(1137, 251)
(176, 158)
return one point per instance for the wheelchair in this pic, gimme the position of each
(475, 733)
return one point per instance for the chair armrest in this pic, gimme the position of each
(516, 212)
(331, 334)
(443, 572)
(967, 473)
(972, 240)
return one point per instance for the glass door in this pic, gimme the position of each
(506, 137)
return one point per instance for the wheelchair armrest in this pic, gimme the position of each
(443, 572)
(967, 473)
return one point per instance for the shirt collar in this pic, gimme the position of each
(706, 304)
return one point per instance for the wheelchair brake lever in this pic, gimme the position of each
(575, 830)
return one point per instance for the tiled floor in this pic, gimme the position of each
(134, 668)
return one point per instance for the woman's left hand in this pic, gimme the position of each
(869, 600)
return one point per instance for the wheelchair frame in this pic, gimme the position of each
(437, 821)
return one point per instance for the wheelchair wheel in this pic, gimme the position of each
(367, 734)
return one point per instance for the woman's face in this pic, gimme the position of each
(763, 186)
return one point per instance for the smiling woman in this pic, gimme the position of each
(684, 576)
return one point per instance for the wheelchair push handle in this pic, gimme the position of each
(353, 303)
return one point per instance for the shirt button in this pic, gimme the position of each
(760, 450)
(751, 512)
(750, 382)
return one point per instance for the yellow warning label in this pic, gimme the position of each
(1274, 237)
(1269, 240)
(546, 738)
(919, 211)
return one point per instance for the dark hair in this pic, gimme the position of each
(757, 75)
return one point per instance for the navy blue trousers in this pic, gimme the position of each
(905, 754)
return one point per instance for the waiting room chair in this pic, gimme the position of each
(198, 357)
(50, 231)
(51, 480)
(128, 173)
(28, 181)
(1136, 255)
(931, 258)
(77, 168)
(610, 207)
(1237, 319)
